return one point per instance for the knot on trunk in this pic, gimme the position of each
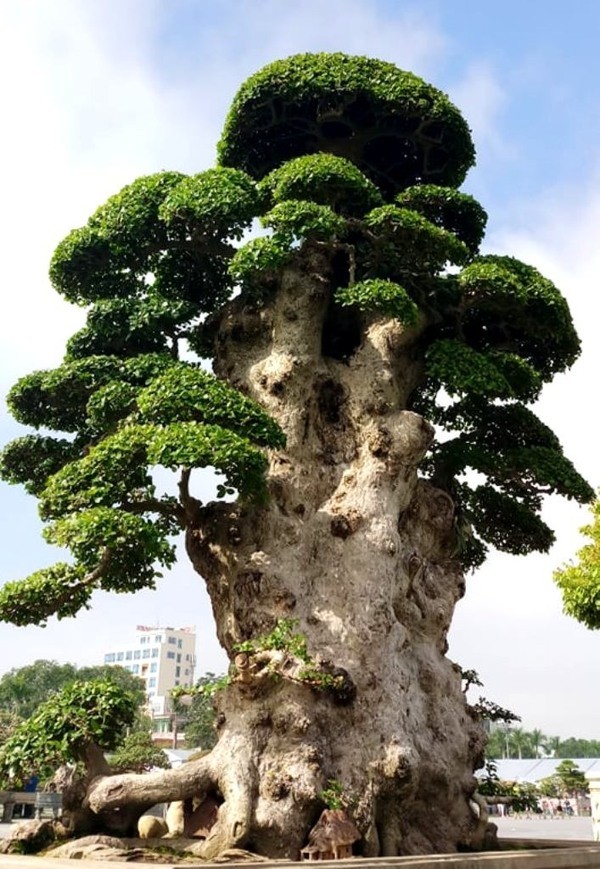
(345, 524)
(257, 669)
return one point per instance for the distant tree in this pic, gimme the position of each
(496, 746)
(24, 689)
(552, 745)
(567, 780)
(573, 747)
(200, 714)
(518, 740)
(138, 753)
(579, 582)
(120, 676)
(537, 739)
(8, 724)
(507, 741)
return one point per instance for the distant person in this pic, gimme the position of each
(30, 787)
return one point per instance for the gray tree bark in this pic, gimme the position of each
(361, 552)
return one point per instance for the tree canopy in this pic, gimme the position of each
(344, 158)
(24, 689)
(72, 725)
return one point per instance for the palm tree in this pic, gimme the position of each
(552, 745)
(519, 740)
(537, 740)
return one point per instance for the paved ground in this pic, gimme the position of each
(539, 828)
(573, 829)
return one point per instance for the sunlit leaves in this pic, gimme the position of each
(58, 590)
(150, 236)
(191, 444)
(113, 472)
(219, 202)
(255, 265)
(32, 459)
(408, 241)
(395, 127)
(79, 715)
(380, 296)
(136, 545)
(57, 398)
(579, 581)
(324, 179)
(109, 256)
(449, 209)
(463, 371)
(297, 220)
(188, 394)
(509, 303)
(128, 327)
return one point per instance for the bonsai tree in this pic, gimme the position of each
(138, 753)
(361, 321)
(567, 781)
(76, 725)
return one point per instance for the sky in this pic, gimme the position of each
(97, 94)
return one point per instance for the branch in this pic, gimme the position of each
(191, 506)
(155, 505)
(94, 575)
(90, 578)
(191, 779)
(94, 760)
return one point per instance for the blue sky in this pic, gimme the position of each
(97, 94)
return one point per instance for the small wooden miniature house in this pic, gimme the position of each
(331, 838)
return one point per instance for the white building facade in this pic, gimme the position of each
(163, 657)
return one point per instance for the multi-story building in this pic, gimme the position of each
(163, 658)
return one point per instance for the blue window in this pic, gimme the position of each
(155, 652)
(128, 656)
(135, 668)
(172, 640)
(152, 683)
(170, 654)
(180, 644)
(146, 653)
(136, 654)
(119, 656)
(108, 659)
(158, 638)
(153, 668)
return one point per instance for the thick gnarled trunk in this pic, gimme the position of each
(362, 554)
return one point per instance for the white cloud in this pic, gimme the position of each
(482, 99)
(510, 625)
(92, 105)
